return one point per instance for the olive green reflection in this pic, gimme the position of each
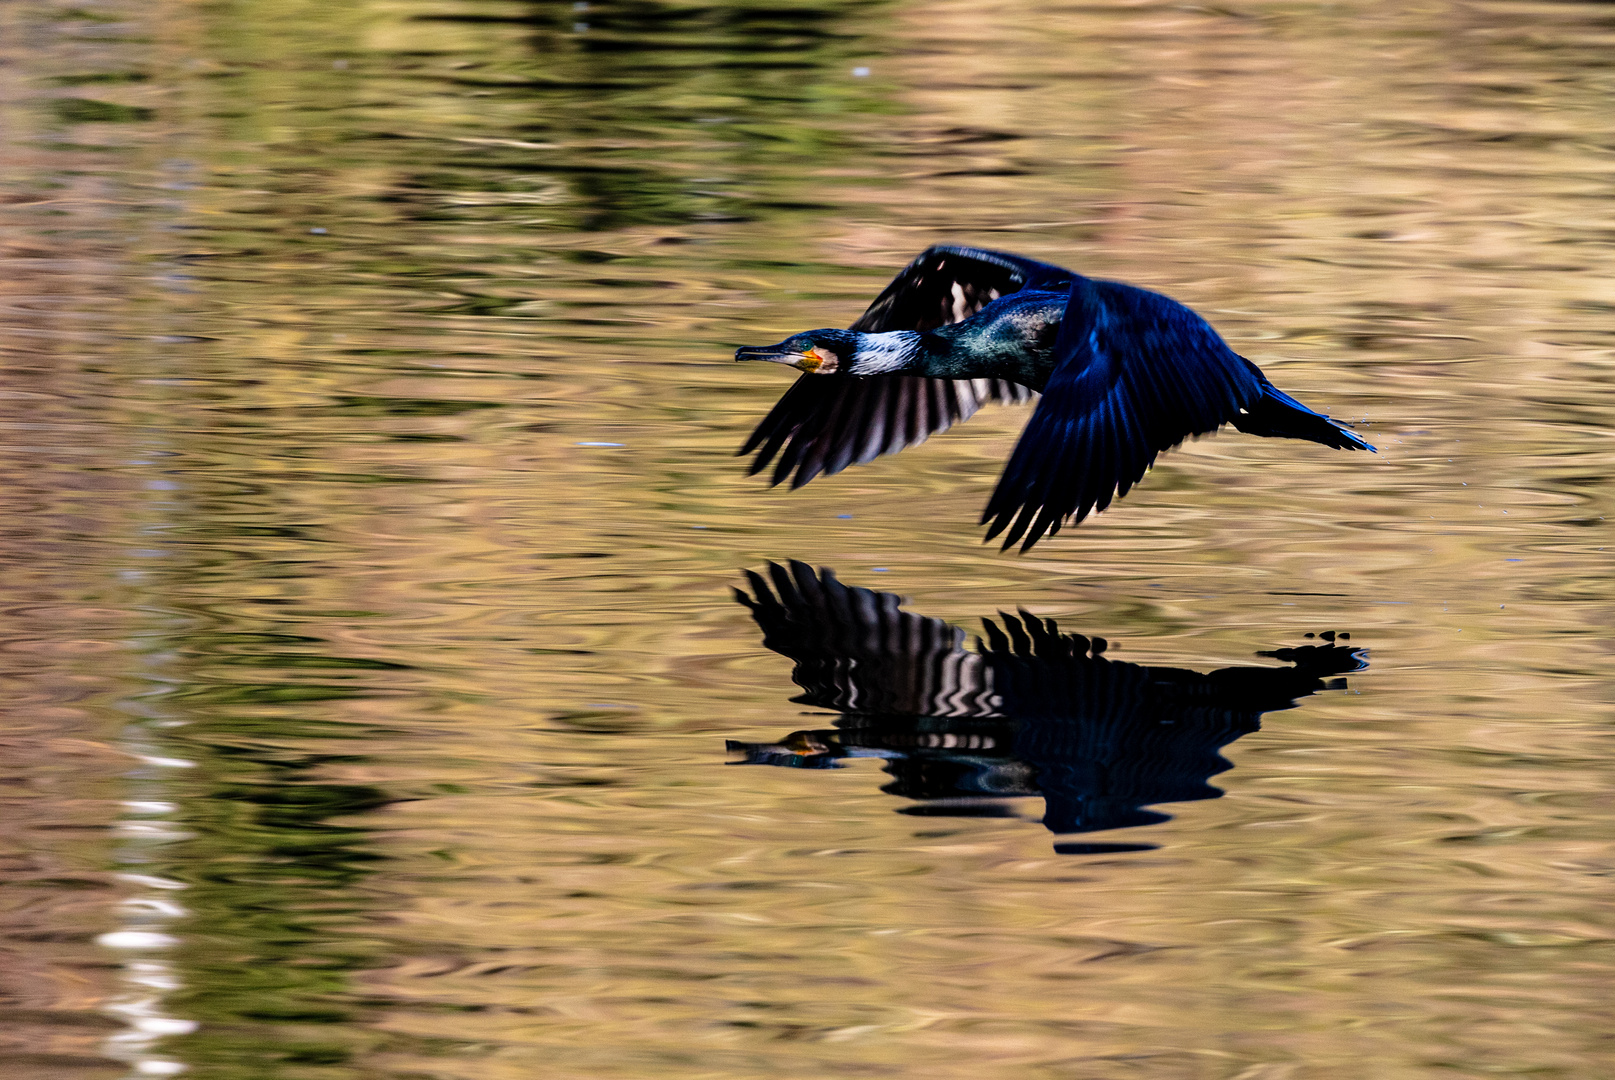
(745, 85)
(274, 869)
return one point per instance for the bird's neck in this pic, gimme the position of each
(989, 350)
(896, 352)
(1013, 339)
(947, 352)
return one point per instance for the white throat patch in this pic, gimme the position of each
(881, 353)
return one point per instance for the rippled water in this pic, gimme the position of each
(376, 680)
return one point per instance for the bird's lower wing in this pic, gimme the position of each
(822, 425)
(1136, 373)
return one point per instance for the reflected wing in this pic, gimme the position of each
(823, 425)
(857, 651)
(1136, 373)
(1108, 738)
(1038, 671)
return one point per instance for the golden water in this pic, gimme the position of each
(365, 721)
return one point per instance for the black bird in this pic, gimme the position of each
(1125, 373)
(1029, 711)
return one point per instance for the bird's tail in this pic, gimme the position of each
(1277, 415)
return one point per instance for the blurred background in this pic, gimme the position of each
(370, 521)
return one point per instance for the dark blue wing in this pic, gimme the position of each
(1135, 373)
(823, 425)
(947, 284)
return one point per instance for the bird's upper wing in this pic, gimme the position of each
(948, 284)
(1135, 373)
(857, 651)
(823, 425)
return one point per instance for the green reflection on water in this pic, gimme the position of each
(308, 127)
(274, 866)
(499, 112)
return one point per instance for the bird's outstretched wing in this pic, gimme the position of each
(1135, 373)
(948, 284)
(856, 651)
(823, 425)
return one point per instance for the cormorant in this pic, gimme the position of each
(1125, 373)
(1029, 711)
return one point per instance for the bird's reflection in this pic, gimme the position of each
(1028, 710)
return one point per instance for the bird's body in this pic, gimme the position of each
(1124, 372)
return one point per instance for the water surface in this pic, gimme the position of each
(372, 525)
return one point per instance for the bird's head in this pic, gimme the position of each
(817, 352)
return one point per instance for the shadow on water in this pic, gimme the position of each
(1029, 711)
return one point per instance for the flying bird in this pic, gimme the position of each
(1124, 374)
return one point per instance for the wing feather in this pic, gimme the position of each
(824, 425)
(1136, 373)
(857, 651)
(947, 283)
